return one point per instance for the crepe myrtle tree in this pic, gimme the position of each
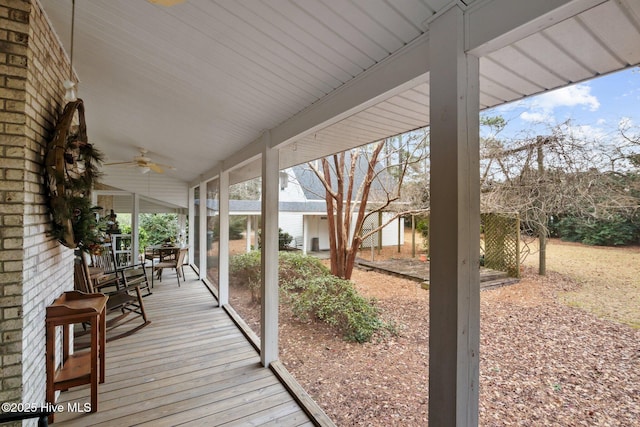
(362, 182)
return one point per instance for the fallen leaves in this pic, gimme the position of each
(542, 363)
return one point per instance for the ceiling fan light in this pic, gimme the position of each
(144, 169)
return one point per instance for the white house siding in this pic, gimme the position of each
(319, 228)
(291, 223)
(389, 232)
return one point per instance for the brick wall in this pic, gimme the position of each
(34, 269)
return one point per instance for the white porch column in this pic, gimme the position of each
(256, 233)
(305, 233)
(269, 254)
(202, 267)
(135, 229)
(223, 241)
(192, 217)
(248, 233)
(454, 303)
(182, 224)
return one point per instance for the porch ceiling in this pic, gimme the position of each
(197, 83)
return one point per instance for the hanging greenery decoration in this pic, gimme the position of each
(72, 169)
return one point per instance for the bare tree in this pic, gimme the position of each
(362, 182)
(562, 173)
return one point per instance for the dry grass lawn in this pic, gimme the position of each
(609, 278)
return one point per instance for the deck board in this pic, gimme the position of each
(190, 366)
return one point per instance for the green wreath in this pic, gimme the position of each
(72, 168)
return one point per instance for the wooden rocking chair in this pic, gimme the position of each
(124, 297)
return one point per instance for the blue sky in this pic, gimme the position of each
(595, 107)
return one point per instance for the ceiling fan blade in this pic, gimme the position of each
(165, 2)
(154, 167)
(166, 166)
(120, 163)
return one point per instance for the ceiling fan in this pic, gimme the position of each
(143, 163)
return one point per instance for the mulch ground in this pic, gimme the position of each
(542, 363)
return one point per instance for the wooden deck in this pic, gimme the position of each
(416, 270)
(191, 366)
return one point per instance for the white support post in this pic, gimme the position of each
(135, 229)
(182, 225)
(269, 254)
(248, 233)
(454, 302)
(256, 233)
(305, 233)
(192, 217)
(202, 267)
(223, 242)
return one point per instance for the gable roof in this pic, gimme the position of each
(314, 189)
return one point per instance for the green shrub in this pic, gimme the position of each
(422, 226)
(159, 227)
(616, 231)
(308, 287)
(295, 268)
(284, 239)
(336, 302)
(237, 226)
(244, 270)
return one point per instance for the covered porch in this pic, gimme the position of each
(226, 91)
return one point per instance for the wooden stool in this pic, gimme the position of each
(84, 367)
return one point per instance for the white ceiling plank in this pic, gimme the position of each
(526, 66)
(390, 19)
(385, 79)
(623, 38)
(545, 51)
(312, 37)
(376, 123)
(337, 23)
(573, 37)
(253, 41)
(419, 95)
(494, 24)
(494, 87)
(400, 103)
(400, 107)
(507, 78)
(323, 39)
(400, 117)
(487, 100)
(413, 11)
(363, 22)
(298, 52)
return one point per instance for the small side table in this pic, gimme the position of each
(84, 367)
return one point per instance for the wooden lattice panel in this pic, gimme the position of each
(502, 242)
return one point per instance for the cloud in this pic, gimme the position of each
(540, 109)
(589, 133)
(570, 96)
(536, 117)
